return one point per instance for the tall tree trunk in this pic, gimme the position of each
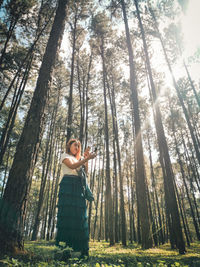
(101, 200)
(12, 204)
(186, 219)
(97, 200)
(161, 237)
(46, 167)
(185, 183)
(132, 203)
(6, 170)
(170, 192)
(5, 137)
(115, 195)
(92, 179)
(116, 139)
(192, 84)
(29, 54)
(141, 176)
(70, 99)
(196, 147)
(108, 178)
(9, 34)
(129, 200)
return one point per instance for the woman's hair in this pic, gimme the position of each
(69, 143)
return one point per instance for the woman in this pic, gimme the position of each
(72, 224)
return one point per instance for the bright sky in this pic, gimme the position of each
(190, 25)
(190, 22)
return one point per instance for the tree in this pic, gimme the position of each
(100, 28)
(16, 10)
(79, 10)
(13, 204)
(171, 201)
(140, 168)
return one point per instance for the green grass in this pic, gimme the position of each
(43, 253)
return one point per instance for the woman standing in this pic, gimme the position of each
(72, 223)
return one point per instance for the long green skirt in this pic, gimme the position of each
(72, 221)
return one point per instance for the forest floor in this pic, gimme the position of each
(43, 253)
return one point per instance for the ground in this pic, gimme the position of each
(43, 253)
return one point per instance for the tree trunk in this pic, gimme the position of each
(27, 57)
(192, 84)
(9, 34)
(5, 137)
(70, 99)
(108, 178)
(163, 147)
(116, 139)
(161, 237)
(141, 176)
(196, 147)
(12, 205)
(97, 200)
(101, 201)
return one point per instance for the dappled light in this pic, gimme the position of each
(99, 133)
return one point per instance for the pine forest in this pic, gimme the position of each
(121, 76)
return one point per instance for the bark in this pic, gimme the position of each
(196, 147)
(9, 34)
(29, 54)
(186, 219)
(132, 204)
(101, 201)
(129, 205)
(108, 178)
(93, 173)
(70, 99)
(116, 139)
(161, 237)
(141, 176)
(12, 204)
(46, 166)
(5, 137)
(87, 98)
(163, 148)
(192, 84)
(53, 189)
(83, 135)
(97, 200)
(115, 195)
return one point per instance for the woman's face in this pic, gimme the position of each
(74, 148)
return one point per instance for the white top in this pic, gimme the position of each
(64, 168)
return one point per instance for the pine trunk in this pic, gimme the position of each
(13, 202)
(109, 200)
(141, 176)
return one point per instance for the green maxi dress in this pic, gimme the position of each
(72, 221)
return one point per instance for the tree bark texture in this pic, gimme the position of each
(19, 180)
(146, 235)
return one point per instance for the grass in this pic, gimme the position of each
(43, 253)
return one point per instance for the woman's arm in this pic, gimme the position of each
(73, 166)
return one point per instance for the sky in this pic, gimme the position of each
(191, 31)
(190, 22)
(190, 25)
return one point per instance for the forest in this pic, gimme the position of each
(120, 76)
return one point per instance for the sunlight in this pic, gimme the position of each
(190, 26)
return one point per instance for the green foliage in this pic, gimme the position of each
(43, 253)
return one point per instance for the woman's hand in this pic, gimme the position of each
(92, 155)
(87, 152)
(89, 155)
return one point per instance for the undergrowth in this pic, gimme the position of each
(43, 253)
